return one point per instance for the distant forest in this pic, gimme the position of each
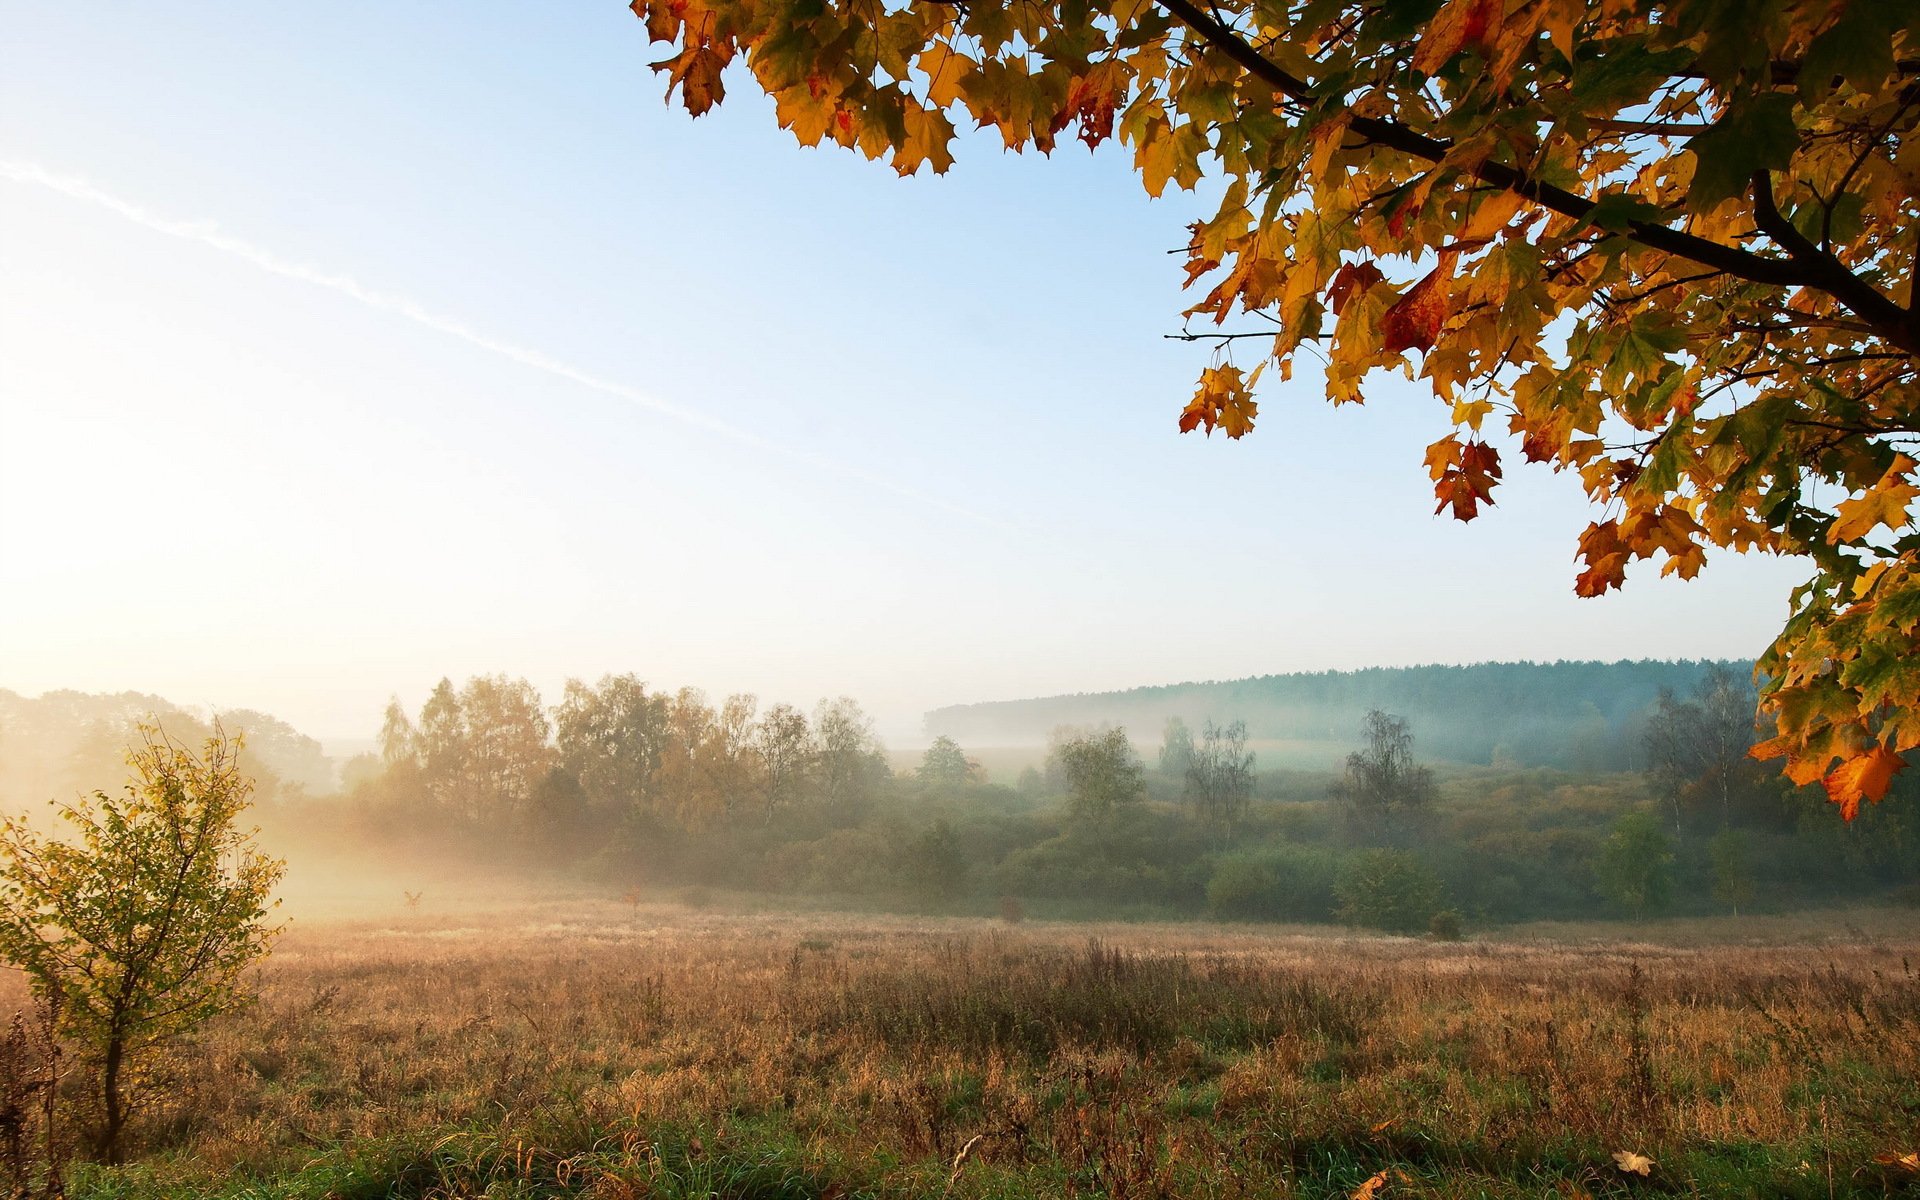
(66, 744)
(1585, 716)
(654, 791)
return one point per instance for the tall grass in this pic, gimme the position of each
(666, 1053)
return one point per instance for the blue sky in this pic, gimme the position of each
(347, 346)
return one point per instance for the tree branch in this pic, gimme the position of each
(1888, 319)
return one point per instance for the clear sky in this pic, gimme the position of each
(347, 346)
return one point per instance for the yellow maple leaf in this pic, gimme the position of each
(1631, 1163)
(1885, 503)
(1907, 1164)
(1374, 1185)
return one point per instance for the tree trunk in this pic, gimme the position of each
(110, 1090)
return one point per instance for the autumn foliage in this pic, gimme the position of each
(1667, 247)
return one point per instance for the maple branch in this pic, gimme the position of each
(1657, 128)
(1888, 319)
(1184, 336)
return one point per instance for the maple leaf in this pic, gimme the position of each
(1350, 280)
(1458, 23)
(1413, 322)
(1905, 1164)
(1864, 777)
(1372, 1186)
(1885, 503)
(1092, 99)
(1605, 556)
(1224, 401)
(696, 72)
(1631, 1163)
(1466, 486)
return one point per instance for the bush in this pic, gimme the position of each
(1444, 926)
(1389, 890)
(1011, 910)
(1280, 883)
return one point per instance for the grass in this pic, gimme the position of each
(594, 1049)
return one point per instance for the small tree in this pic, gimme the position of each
(137, 924)
(1390, 890)
(1103, 776)
(1636, 864)
(946, 763)
(1733, 883)
(1384, 789)
(1176, 749)
(938, 863)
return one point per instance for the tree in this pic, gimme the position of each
(1668, 246)
(138, 924)
(938, 863)
(849, 757)
(1636, 864)
(946, 763)
(1102, 774)
(1176, 749)
(1698, 748)
(787, 755)
(1384, 788)
(1219, 775)
(1389, 890)
(1732, 860)
(685, 784)
(505, 752)
(610, 736)
(737, 770)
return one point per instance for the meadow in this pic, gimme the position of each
(528, 1045)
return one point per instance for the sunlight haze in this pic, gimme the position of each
(344, 350)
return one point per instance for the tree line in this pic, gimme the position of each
(491, 754)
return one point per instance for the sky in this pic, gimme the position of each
(345, 347)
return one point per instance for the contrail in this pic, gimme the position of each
(206, 233)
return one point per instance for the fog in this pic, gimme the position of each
(1525, 793)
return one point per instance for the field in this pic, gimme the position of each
(590, 1047)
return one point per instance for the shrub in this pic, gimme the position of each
(1389, 890)
(1444, 926)
(1282, 883)
(1242, 889)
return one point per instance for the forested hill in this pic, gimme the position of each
(1584, 715)
(66, 743)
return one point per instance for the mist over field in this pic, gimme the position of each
(1469, 798)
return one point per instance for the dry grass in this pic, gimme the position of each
(596, 1047)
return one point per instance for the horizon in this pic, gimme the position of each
(343, 744)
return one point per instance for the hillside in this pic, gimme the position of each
(1583, 715)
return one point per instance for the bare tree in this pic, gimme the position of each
(1384, 789)
(1697, 748)
(1219, 776)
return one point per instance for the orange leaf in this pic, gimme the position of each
(1864, 777)
(1469, 485)
(1374, 1185)
(1091, 100)
(1606, 559)
(1414, 320)
(1351, 280)
(1458, 23)
(1442, 456)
